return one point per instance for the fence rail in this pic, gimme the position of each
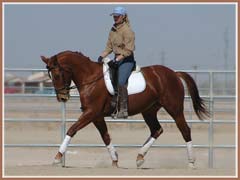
(211, 98)
(117, 120)
(120, 145)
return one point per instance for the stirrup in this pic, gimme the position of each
(122, 114)
(114, 115)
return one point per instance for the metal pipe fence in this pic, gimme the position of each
(210, 98)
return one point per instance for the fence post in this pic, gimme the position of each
(63, 127)
(210, 128)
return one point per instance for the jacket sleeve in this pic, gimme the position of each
(129, 43)
(108, 48)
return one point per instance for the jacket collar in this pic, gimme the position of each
(119, 26)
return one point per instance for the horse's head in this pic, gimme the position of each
(60, 76)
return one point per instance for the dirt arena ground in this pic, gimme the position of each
(95, 162)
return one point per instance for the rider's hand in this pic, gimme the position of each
(113, 64)
(100, 58)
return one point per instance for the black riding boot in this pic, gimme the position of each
(122, 102)
(114, 101)
(114, 78)
(113, 105)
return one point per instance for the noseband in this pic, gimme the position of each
(64, 90)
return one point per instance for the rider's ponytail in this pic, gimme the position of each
(127, 20)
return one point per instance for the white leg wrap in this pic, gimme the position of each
(64, 144)
(112, 151)
(190, 153)
(143, 151)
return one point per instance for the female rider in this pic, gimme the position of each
(121, 41)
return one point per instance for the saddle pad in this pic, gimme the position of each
(136, 81)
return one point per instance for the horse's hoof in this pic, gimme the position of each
(140, 160)
(115, 164)
(57, 162)
(191, 165)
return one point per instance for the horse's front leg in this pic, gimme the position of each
(84, 120)
(102, 128)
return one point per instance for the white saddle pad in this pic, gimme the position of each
(136, 81)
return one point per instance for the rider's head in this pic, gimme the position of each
(119, 14)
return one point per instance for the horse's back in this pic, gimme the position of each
(164, 79)
(162, 73)
(158, 68)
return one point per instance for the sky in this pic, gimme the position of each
(179, 36)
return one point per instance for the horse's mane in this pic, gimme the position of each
(72, 52)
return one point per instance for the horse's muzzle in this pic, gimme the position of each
(63, 97)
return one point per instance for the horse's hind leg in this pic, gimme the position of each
(182, 125)
(150, 117)
(102, 128)
(186, 133)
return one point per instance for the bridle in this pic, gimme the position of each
(64, 90)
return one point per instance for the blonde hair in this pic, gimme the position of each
(126, 19)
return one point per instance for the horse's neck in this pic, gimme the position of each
(84, 70)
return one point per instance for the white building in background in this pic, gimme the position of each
(13, 84)
(37, 83)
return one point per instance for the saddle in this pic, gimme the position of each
(136, 81)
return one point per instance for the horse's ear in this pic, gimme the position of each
(44, 59)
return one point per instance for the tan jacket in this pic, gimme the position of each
(121, 40)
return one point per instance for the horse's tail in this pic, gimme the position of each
(198, 102)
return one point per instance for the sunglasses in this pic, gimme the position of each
(116, 16)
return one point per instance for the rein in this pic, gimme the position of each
(95, 80)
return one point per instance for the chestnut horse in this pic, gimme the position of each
(163, 89)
